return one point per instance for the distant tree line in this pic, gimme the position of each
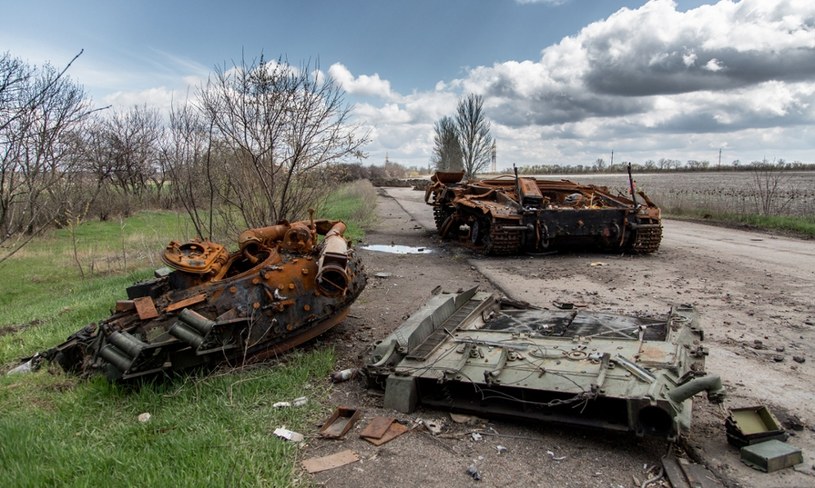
(661, 165)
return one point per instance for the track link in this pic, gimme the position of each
(646, 240)
(502, 242)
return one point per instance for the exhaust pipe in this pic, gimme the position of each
(711, 383)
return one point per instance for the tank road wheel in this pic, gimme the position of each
(647, 240)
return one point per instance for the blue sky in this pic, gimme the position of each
(564, 81)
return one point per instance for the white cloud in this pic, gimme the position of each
(711, 74)
(363, 85)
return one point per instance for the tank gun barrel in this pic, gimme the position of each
(332, 264)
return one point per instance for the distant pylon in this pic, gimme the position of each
(494, 167)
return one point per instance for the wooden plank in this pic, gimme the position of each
(145, 308)
(317, 464)
(186, 302)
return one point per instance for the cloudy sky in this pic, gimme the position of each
(564, 81)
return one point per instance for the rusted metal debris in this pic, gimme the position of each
(510, 214)
(339, 423)
(475, 353)
(280, 289)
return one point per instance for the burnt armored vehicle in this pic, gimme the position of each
(280, 289)
(511, 214)
(475, 353)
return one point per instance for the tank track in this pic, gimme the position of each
(646, 240)
(503, 242)
(440, 214)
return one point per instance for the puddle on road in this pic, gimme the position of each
(397, 249)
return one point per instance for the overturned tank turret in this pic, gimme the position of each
(280, 289)
(511, 214)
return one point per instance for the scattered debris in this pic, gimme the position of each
(751, 425)
(297, 402)
(771, 455)
(501, 449)
(339, 423)
(383, 274)
(28, 366)
(144, 417)
(377, 427)
(463, 419)
(324, 463)
(563, 305)
(596, 264)
(289, 435)
(473, 472)
(344, 375)
(555, 458)
(476, 436)
(432, 426)
(382, 429)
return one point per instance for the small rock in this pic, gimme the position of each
(799, 359)
(757, 344)
(473, 471)
(144, 417)
(780, 349)
(778, 358)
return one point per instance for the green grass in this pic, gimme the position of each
(217, 431)
(58, 430)
(799, 226)
(355, 204)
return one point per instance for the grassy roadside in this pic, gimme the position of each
(57, 430)
(802, 227)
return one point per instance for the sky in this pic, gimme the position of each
(563, 81)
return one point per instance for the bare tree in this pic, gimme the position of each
(473, 134)
(133, 138)
(185, 155)
(39, 109)
(769, 182)
(275, 126)
(447, 154)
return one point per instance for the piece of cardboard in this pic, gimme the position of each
(317, 464)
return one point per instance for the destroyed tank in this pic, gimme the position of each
(280, 289)
(510, 214)
(476, 353)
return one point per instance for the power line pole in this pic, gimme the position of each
(493, 156)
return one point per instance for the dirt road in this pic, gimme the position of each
(755, 293)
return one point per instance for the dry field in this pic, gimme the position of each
(726, 192)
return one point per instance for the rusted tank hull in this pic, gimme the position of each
(281, 289)
(510, 215)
